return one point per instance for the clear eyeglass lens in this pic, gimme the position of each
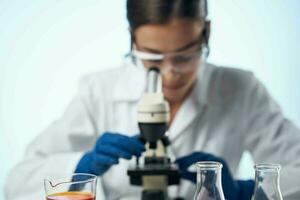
(179, 62)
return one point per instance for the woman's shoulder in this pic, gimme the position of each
(231, 74)
(105, 75)
(228, 83)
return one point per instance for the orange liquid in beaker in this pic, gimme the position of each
(71, 196)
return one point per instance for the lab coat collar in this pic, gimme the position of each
(200, 93)
(194, 105)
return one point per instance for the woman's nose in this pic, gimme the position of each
(167, 66)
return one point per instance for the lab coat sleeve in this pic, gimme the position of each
(56, 151)
(270, 137)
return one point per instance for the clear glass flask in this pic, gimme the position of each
(267, 182)
(78, 186)
(209, 185)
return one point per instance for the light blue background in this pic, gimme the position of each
(46, 46)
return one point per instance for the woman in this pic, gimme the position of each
(216, 113)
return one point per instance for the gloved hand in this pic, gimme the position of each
(233, 189)
(107, 151)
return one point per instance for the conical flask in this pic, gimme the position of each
(267, 182)
(209, 185)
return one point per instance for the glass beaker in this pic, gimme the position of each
(209, 185)
(78, 186)
(267, 182)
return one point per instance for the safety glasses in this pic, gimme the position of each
(180, 62)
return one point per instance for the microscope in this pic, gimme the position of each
(156, 172)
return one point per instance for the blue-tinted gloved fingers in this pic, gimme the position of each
(114, 151)
(191, 176)
(129, 144)
(95, 164)
(187, 161)
(98, 169)
(102, 159)
(83, 165)
(107, 151)
(246, 189)
(101, 163)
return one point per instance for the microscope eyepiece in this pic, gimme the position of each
(153, 80)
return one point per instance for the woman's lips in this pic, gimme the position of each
(173, 87)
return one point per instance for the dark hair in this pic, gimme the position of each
(141, 12)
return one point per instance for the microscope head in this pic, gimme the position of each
(157, 171)
(153, 110)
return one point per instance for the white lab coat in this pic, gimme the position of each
(227, 113)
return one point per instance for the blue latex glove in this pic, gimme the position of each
(233, 189)
(107, 151)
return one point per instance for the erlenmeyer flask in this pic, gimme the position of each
(209, 185)
(267, 182)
